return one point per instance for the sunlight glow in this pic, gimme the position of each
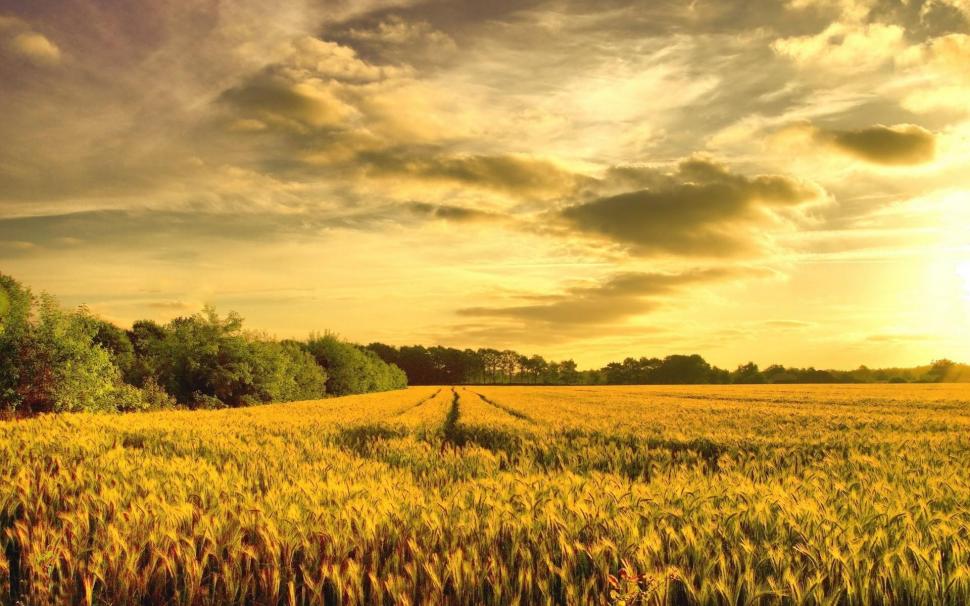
(963, 271)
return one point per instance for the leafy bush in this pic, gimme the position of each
(155, 397)
(206, 402)
(128, 398)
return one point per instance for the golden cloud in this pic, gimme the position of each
(18, 37)
(853, 47)
(617, 298)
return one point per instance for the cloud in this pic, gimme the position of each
(330, 60)
(273, 100)
(946, 97)
(394, 36)
(853, 47)
(311, 85)
(786, 324)
(456, 214)
(895, 145)
(899, 145)
(700, 209)
(153, 230)
(320, 104)
(172, 306)
(36, 48)
(897, 338)
(520, 175)
(947, 53)
(27, 44)
(193, 228)
(941, 65)
(925, 18)
(620, 297)
(465, 142)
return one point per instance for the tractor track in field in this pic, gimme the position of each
(450, 426)
(506, 409)
(411, 407)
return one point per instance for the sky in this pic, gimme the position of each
(783, 182)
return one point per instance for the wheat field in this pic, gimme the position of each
(856, 494)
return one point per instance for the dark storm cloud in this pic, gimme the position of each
(701, 209)
(899, 145)
(619, 297)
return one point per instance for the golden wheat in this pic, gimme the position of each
(499, 495)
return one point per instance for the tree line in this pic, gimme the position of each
(58, 360)
(53, 359)
(447, 365)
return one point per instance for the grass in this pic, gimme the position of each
(499, 495)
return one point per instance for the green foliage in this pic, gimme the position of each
(4, 307)
(747, 373)
(940, 370)
(63, 369)
(128, 398)
(206, 402)
(286, 372)
(116, 342)
(154, 396)
(351, 369)
(56, 360)
(52, 360)
(206, 361)
(449, 366)
(15, 304)
(205, 355)
(147, 339)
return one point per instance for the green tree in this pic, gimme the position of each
(116, 342)
(285, 372)
(206, 361)
(568, 372)
(747, 373)
(63, 369)
(345, 365)
(15, 307)
(940, 370)
(351, 369)
(147, 339)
